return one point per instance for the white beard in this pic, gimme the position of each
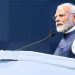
(61, 28)
(65, 27)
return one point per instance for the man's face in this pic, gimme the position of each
(63, 19)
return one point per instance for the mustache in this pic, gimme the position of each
(59, 24)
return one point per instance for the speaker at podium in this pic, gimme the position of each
(34, 63)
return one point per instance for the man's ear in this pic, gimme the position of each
(74, 18)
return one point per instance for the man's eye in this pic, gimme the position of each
(61, 15)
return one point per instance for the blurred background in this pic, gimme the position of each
(25, 21)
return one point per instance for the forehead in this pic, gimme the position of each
(62, 9)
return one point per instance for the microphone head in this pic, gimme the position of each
(51, 34)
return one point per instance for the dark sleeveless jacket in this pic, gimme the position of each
(64, 47)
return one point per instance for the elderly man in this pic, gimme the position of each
(65, 22)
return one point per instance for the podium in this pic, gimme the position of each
(34, 63)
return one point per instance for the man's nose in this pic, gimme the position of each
(57, 19)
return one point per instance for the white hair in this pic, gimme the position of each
(72, 7)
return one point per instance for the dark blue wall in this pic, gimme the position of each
(26, 21)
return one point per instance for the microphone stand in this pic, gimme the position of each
(31, 44)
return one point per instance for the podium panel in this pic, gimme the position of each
(34, 63)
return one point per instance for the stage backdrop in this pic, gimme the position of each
(25, 21)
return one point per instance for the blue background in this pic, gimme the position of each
(25, 21)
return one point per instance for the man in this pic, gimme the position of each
(65, 22)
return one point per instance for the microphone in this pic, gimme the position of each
(34, 43)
